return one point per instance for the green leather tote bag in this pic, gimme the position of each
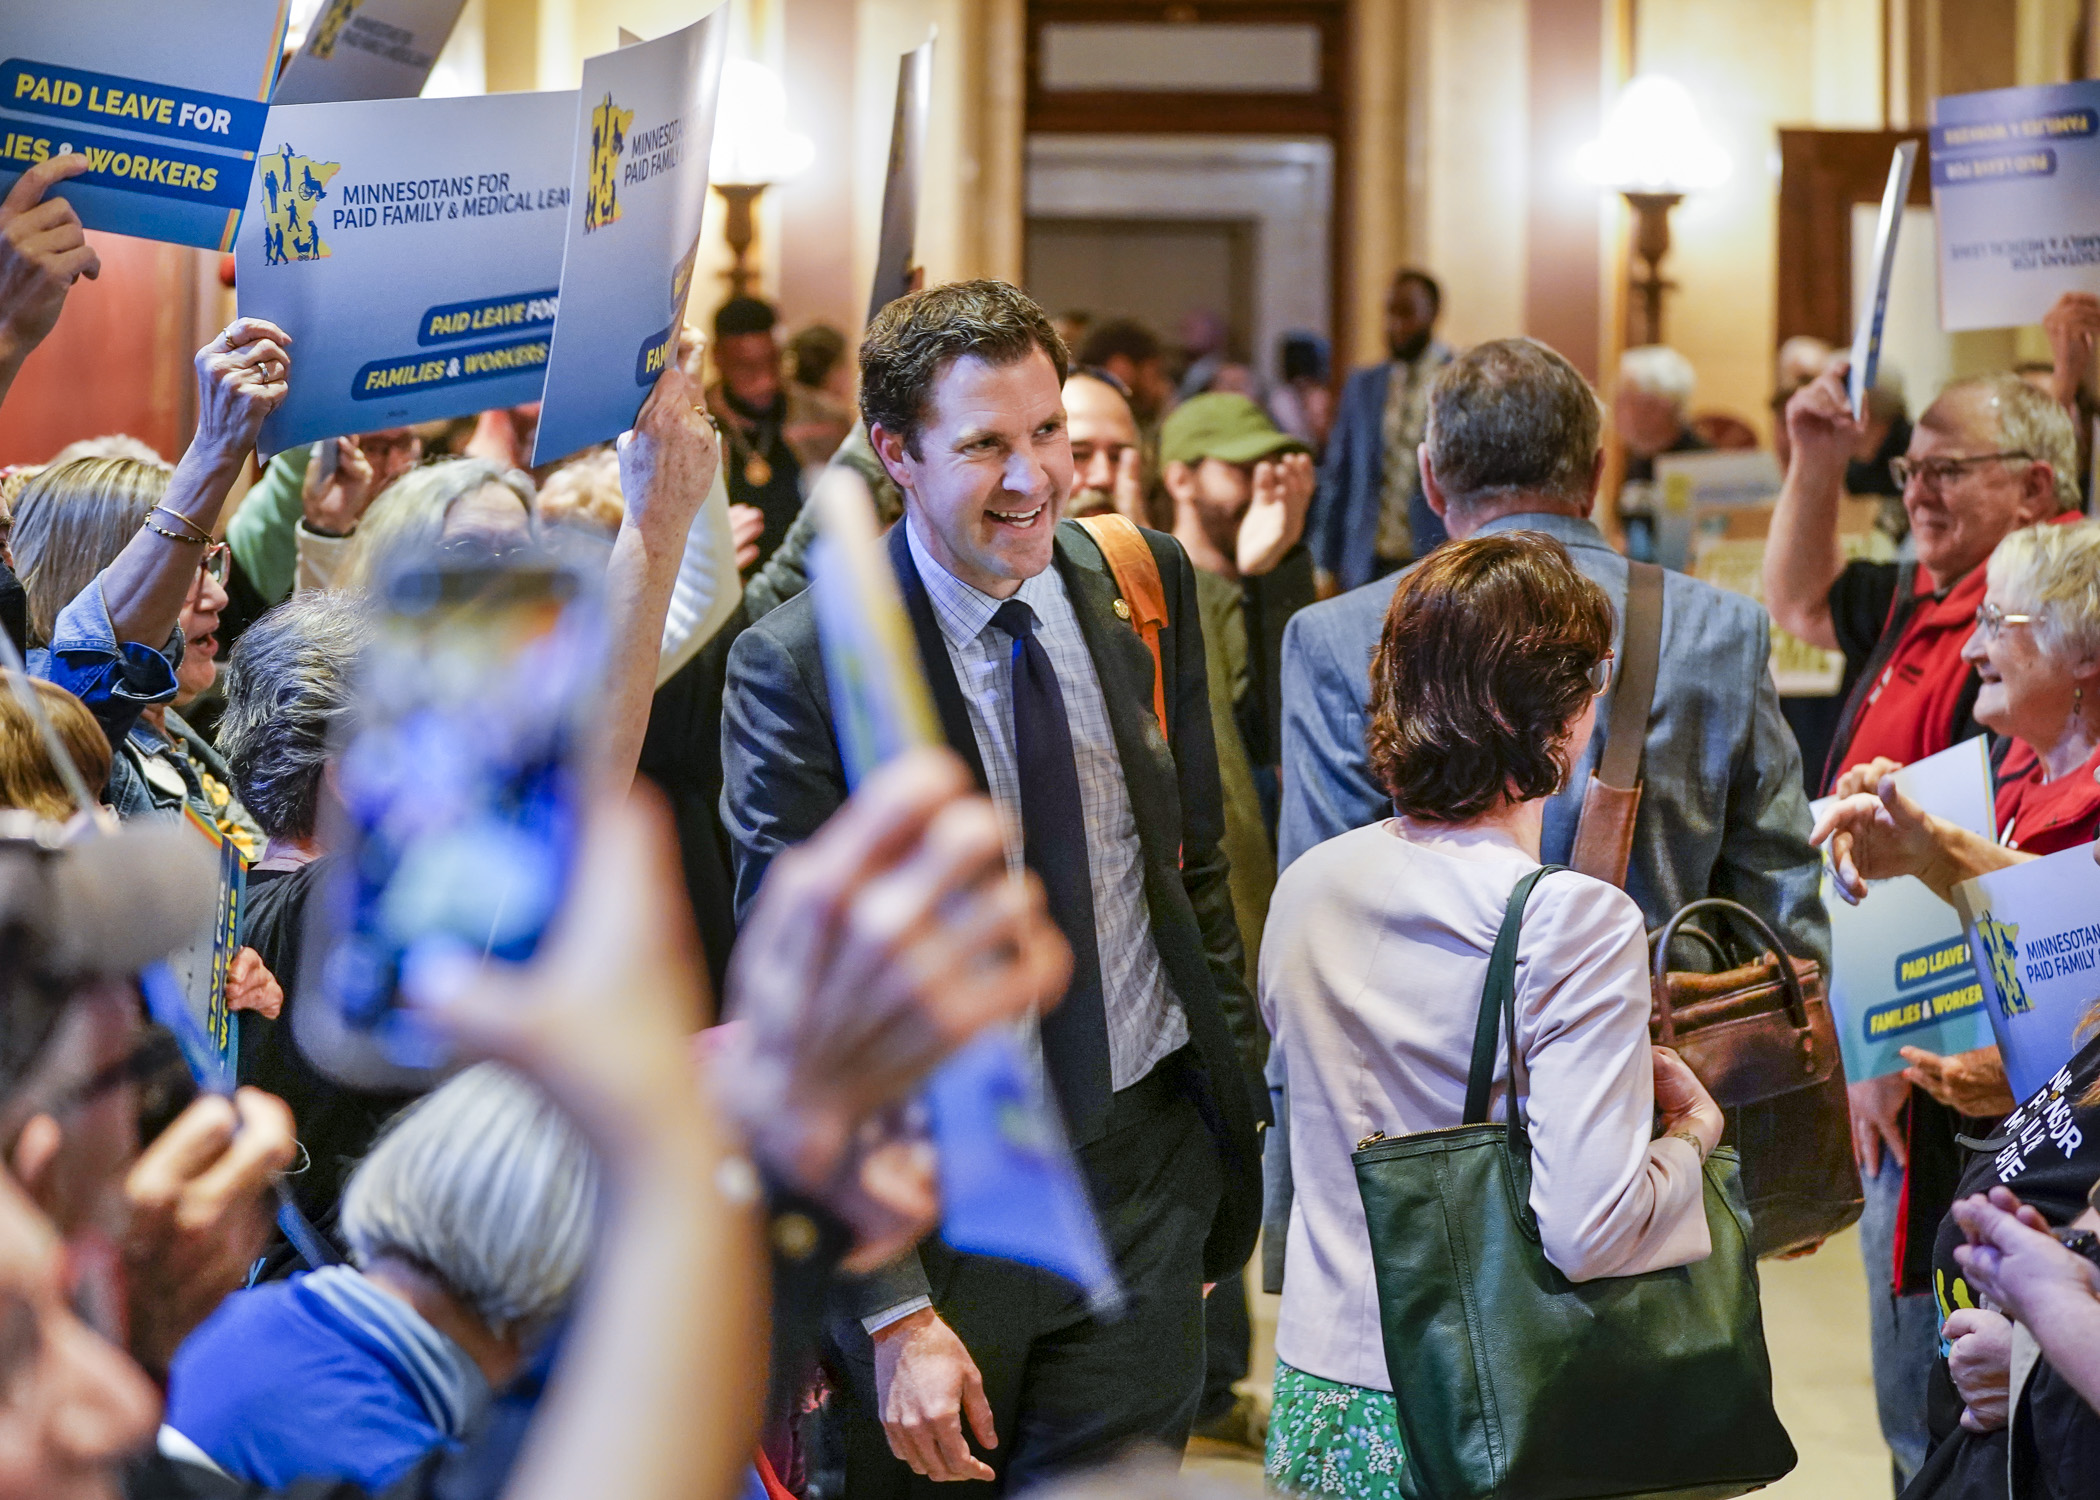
(1516, 1383)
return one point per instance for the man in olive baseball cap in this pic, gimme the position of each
(1241, 490)
(1240, 486)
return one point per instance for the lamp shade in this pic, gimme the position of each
(753, 145)
(1654, 142)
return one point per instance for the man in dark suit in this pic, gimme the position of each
(1369, 515)
(1046, 691)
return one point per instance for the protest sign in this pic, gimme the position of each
(2016, 198)
(165, 98)
(2036, 925)
(1866, 341)
(900, 193)
(409, 295)
(880, 704)
(644, 126)
(1901, 973)
(1695, 488)
(368, 49)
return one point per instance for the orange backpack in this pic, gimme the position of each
(1144, 601)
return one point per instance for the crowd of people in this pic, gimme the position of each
(1244, 787)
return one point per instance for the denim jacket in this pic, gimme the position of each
(117, 680)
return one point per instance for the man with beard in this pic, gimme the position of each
(772, 428)
(1371, 517)
(1240, 490)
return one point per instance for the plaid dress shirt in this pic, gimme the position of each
(1144, 1022)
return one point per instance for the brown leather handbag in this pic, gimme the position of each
(1761, 1038)
(1758, 1035)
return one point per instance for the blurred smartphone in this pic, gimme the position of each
(458, 799)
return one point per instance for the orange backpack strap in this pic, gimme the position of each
(1144, 601)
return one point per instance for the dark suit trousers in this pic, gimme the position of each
(1067, 1390)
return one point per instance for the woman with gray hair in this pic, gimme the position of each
(469, 1225)
(2036, 651)
(466, 502)
(290, 689)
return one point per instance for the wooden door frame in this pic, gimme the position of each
(1324, 114)
(1823, 175)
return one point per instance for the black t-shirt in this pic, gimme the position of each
(1860, 601)
(2048, 1152)
(760, 468)
(336, 1125)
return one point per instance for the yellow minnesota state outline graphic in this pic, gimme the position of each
(329, 24)
(601, 203)
(2001, 946)
(291, 187)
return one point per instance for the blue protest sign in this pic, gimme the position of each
(642, 135)
(2016, 196)
(166, 99)
(453, 265)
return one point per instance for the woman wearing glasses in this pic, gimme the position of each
(116, 554)
(75, 525)
(2036, 652)
(1373, 963)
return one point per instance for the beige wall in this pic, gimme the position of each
(1452, 75)
(1437, 164)
(1746, 68)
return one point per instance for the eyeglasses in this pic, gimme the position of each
(1990, 619)
(1933, 473)
(216, 562)
(1600, 674)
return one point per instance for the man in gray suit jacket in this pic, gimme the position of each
(1043, 687)
(1513, 445)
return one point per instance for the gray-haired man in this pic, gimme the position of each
(1513, 445)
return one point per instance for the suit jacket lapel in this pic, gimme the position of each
(1125, 668)
(933, 652)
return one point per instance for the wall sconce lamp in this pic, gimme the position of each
(753, 149)
(1653, 151)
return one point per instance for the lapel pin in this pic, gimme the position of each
(1123, 613)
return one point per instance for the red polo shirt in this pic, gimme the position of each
(2042, 817)
(1908, 712)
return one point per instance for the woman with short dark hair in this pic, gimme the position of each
(1483, 695)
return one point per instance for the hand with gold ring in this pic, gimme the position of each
(242, 376)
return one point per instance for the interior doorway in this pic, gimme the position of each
(1157, 225)
(1154, 270)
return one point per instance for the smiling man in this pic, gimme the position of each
(1991, 455)
(962, 1367)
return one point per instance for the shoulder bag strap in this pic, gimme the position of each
(1136, 572)
(1498, 1002)
(1604, 834)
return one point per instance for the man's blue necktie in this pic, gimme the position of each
(1053, 826)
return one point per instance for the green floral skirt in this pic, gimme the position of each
(1326, 1438)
